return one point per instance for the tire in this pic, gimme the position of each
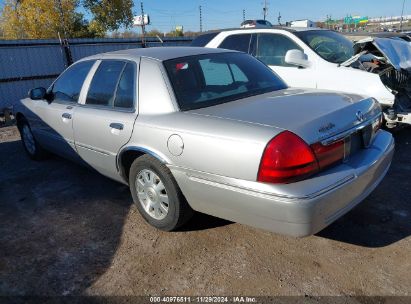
(30, 144)
(152, 185)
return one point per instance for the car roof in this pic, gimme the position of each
(206, 37)
(158, 53)
(275, 27)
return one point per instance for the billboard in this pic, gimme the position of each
(356, 20)
(140, 20)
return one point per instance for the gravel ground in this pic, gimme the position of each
(66, 230)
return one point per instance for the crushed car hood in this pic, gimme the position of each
(397, 52)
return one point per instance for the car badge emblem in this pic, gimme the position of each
(326, 127)
(360, 116)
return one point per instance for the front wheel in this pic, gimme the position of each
(157, 195)
(32, 147)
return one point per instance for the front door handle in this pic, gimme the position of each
(116, 125)
(66, 115)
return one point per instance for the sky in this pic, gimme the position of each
(166, 14)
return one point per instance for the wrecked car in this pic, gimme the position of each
(324, 59)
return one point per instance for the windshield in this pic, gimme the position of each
(330, 45)
(206, 80)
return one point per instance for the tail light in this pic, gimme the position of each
(287, 158)
(330, 154)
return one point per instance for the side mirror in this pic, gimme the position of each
(37, 93)
(298, 58)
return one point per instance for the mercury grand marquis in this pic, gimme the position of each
(215, 131)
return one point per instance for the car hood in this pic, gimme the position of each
(312, 114)
(397, 52)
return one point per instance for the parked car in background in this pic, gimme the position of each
(324, 59)
(256, 24)
(214, 131)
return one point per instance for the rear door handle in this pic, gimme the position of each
(66, 115)
(116, 125)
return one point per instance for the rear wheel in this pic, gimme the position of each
(32, 147)
(157, 195)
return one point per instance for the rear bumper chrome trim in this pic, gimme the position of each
(254, 192)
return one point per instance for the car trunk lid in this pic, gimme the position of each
(313, 115)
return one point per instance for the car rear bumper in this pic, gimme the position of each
(298, 209)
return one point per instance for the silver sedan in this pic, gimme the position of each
(213, 131)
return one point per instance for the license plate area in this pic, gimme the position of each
(358, 140)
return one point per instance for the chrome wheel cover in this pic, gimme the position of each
(152, 194)
(28, 139)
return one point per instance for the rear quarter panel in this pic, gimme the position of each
(210, 144)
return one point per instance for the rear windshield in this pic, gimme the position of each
(206, 80)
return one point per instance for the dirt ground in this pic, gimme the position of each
(65, 230)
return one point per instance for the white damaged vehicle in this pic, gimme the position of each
(324, 59)
(390, 59)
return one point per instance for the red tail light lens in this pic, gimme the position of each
(287, 158)
(328, 155)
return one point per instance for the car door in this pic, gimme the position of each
(104, 120)
(55, 116)
(272, 48)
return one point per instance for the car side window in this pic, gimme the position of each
(68, 86)
(126, 88)
(104, 83)
(237, 42)
(272, 48)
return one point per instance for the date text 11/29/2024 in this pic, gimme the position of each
(202, 299)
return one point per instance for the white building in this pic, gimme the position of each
(302, 23)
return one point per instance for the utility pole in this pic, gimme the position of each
(243, 15)
(201, 19)
(279, 18)
(143, 27)
(265, 9)
(64, 43)
(402, 14)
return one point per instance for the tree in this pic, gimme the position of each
(125, 34)
(36, 19)
(154, 33)
(175, 34)
(110, 15)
